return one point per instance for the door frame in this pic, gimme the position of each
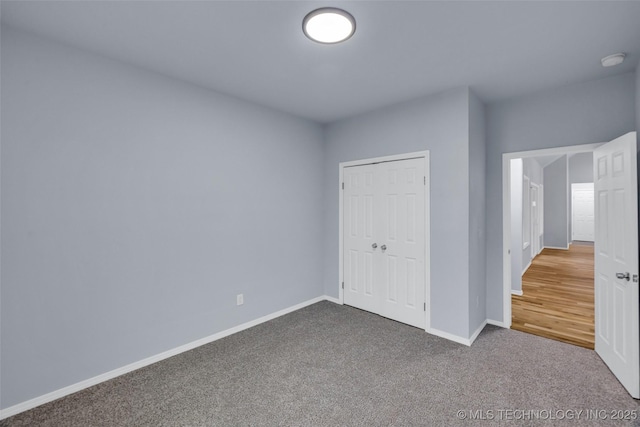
(506, 213)
(536, 247)
(526, 208)
(427, 214)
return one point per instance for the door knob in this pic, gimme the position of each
(623, 276)
(383, 247)
(375, 245)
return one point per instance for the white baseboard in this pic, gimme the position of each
(526, 268)
(497, 323)
(557, 247)
(477, 332)
(332, 299)
(456, 338)
(73, 388)
(516, 292)
(450, 337)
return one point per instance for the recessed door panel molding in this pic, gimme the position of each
(368, 216)
(411, 218)
(616, 260)
(410, 284)
(620, 235)
(619, 325)
(392, 216)
(392, 278)
(602, 306)
(602, 228)
(368, 274)
(391, 242)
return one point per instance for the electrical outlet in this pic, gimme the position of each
(239, 299)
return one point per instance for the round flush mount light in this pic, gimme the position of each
(329, 25)
(612, 60)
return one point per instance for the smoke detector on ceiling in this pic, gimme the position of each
(612, 60)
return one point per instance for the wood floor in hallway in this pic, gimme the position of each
(557, 300)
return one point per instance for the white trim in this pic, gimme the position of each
(541, 214)
(450, 337)
(496, 323)
(73, 388)
(427, 229)
(527, 267)
(557, 247)
(506, 214)
(517, 292)
(394, 157)
(332, 299)
(526, 211)
(340, 234)
(506, 241)
(535, 237)
(477, 332)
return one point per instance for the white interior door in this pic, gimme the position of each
(402, 242)
(384, 239)
(582, 214)
(361, 282)
(616, 260)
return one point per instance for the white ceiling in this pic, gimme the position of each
(401, 50)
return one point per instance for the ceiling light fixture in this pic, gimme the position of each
(611, 60)
(329, 25)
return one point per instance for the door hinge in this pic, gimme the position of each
(342, 285)
(425, 180)
(425, 306)
(343, 185)
(635, 278)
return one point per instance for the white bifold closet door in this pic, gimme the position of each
(384, 239)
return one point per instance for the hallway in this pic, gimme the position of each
(557, 300)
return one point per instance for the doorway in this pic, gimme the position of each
(384, 237)
(617, 340)
(507, 213)
(553, 281)
(582, 215)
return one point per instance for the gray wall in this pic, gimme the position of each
(590, 112)
(438, 123)
(533, 170)
(477, 219)
(556, 204)
(136, 207)
(581, 168)
(580, 171)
